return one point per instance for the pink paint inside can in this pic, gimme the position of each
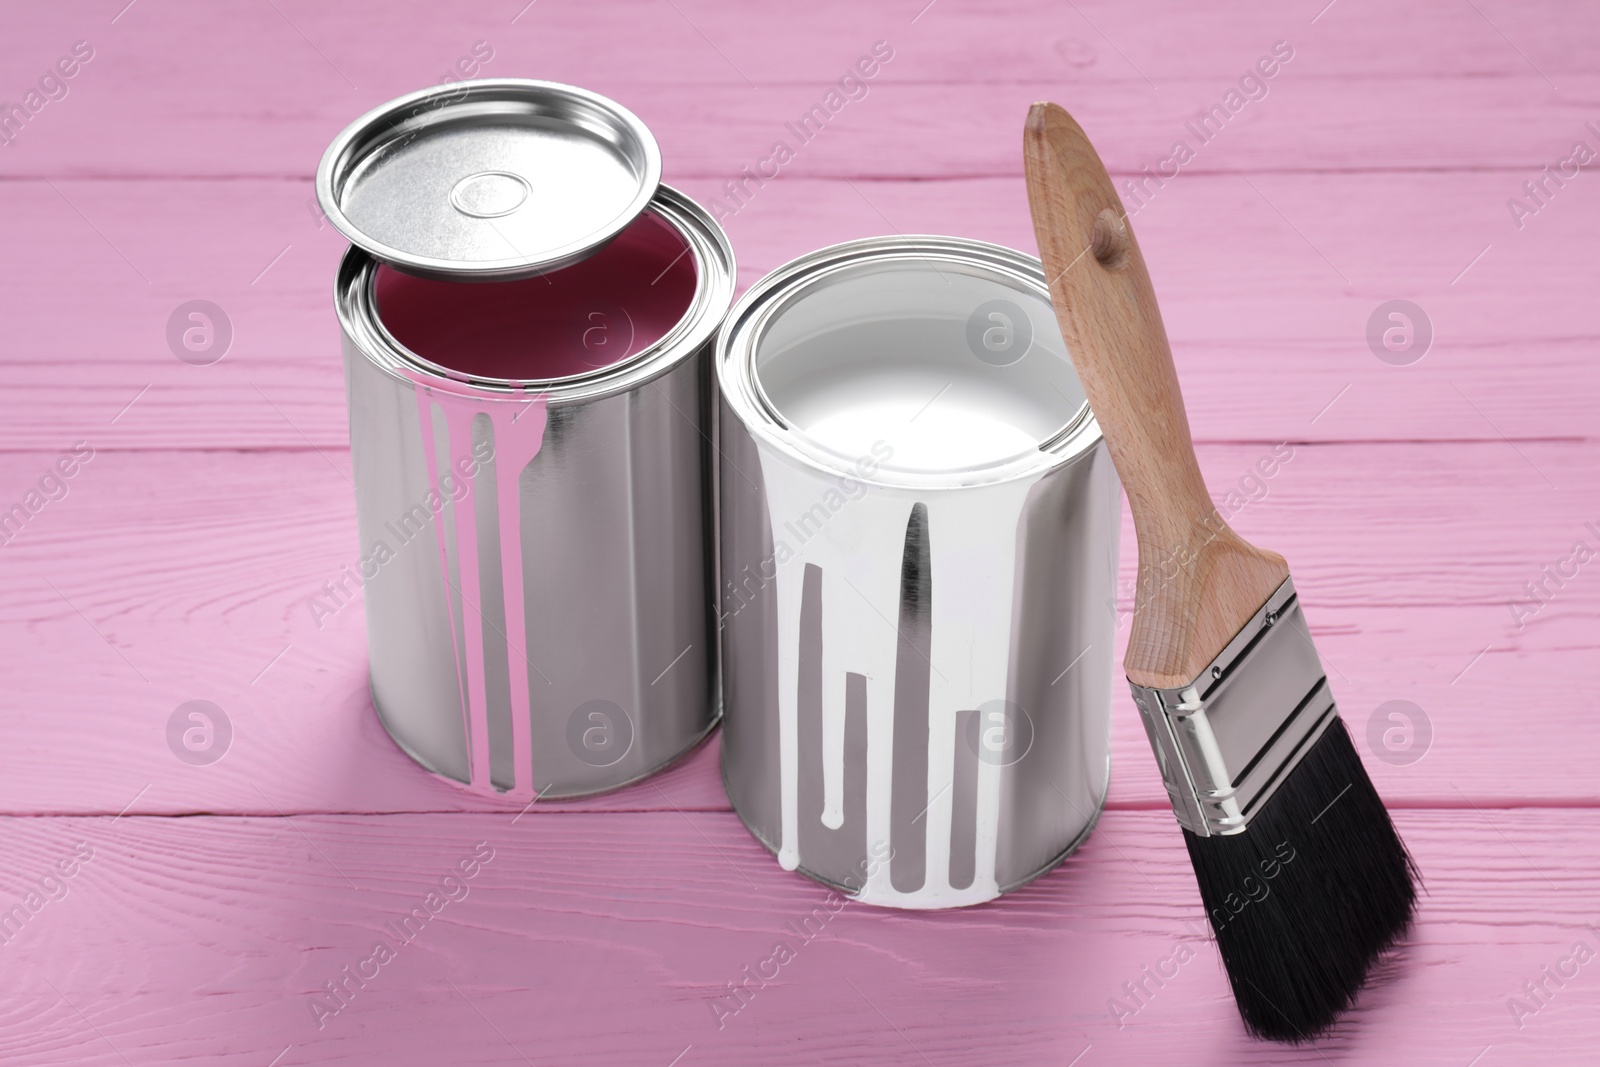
(572, 321)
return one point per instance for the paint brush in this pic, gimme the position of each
(1302, 875)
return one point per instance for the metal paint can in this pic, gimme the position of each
(531, 410)
(919, 535)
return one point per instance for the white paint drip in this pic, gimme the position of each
(973, 542)
(972, 537)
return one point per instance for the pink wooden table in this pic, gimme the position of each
(208, 906)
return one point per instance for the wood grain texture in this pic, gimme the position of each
(1370, 86)
(608, 938)
(1269, 340)
(199, 568)
(1198, 582)
(1417, 504)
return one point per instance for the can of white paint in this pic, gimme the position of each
(528, 316)
(919, 534)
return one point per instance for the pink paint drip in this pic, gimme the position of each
(458, 435)
(429, 451)
(518, 436)
(599, 312)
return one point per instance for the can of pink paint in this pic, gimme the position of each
(528, 315)
(919, 534)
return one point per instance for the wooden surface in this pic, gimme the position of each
(1418, 502)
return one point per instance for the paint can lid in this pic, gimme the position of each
(489, 180)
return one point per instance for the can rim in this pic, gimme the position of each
(350, 148)
(742, 331)
(714, 284)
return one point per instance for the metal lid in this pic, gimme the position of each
(489, 180)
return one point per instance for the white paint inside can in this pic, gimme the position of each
(957, 370)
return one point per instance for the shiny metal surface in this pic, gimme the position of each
(917, 618)
(490, 179)
(543, 624)
(1225, 742)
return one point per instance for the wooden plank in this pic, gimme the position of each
(1368, 86)
(199, 567)
(1313, 119)
(179, 563)
(608, 938)
(1265, 329)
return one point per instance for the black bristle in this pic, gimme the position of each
(1299, 935)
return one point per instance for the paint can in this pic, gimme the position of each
(919, 535)
(528, 316)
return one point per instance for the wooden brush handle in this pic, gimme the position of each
(1199, 582)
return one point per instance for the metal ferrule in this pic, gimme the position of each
(1227, 740)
